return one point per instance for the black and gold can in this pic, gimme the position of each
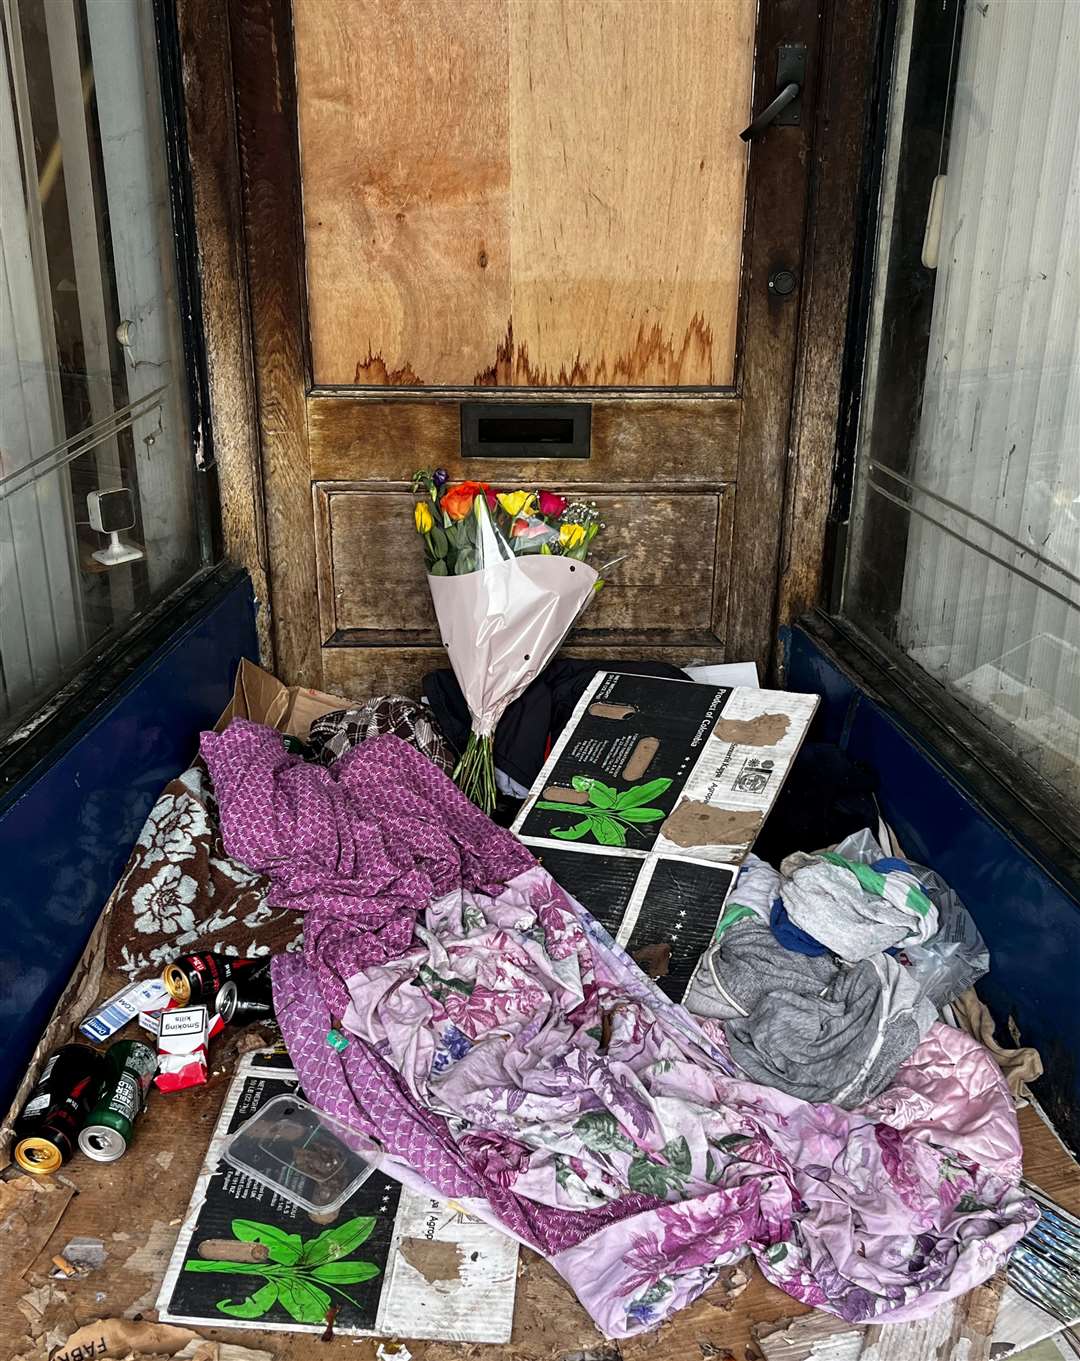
(47, 1130)
(196, 980)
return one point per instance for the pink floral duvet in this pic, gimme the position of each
(505, 1050)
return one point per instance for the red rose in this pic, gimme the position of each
(552, 505)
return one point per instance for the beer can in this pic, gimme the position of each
(236, 1007)
(48, 1125)
(130, 1068)
(196, 980)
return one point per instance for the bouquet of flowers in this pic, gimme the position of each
(508, 579)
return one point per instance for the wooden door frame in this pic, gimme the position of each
(240, 85)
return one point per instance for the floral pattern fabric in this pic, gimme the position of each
(503, 1046)
(180, 890)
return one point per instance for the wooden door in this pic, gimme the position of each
(524, 201)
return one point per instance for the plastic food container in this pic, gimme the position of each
(303, 1154)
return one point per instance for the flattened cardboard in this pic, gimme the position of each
(708, 760)
(462, 1291)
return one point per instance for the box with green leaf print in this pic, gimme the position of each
(249, 1256)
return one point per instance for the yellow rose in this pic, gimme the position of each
(517, 503)
(423, 517)
(571, 536)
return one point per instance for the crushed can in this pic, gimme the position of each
(130, 1068)
(47, 1129)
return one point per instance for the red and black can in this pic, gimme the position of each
(48, 1127)
(197, 979)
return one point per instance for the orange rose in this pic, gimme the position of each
(457, 500)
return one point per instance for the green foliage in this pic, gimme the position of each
(600, 1131)
(297, 1270)
(608, 815)
(656, 1179)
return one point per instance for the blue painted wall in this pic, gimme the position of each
(66, 832)
(1029, 919)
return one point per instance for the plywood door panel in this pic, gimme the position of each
(523, 192)
(626, 191)
(665, 443)
(403, 118)
(371, 571)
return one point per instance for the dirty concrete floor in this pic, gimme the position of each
(135, 1207)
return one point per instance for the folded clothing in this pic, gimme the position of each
(855, 910)
(790, 936)
(809, 1025)
(337, 732)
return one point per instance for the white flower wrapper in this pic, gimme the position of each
(502, 625)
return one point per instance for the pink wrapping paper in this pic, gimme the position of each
(502, 625)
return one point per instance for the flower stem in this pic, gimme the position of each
(475, 772)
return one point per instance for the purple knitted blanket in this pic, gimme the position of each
(504, 1049)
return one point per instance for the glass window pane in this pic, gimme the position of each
(965, 542)
(98, 514)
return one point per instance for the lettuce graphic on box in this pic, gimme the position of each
(296, 1271)
(608, 815)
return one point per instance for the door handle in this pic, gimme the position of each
(771, 112)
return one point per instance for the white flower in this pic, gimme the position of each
(258, 915)
(232, 869)
(170, 832)
(163, 905)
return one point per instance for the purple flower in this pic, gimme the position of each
(696, 1233)
(647, 1261)
(641, 1313)
(855, 1305)
(440, 477)
(495, 1157)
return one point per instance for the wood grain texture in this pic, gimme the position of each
(362, 671)
(832, 249)
(265, 103)
(523, 192)
(403, 116)
(215, 183)
(371, 565)
(627, 180)
(672, 442)
(776, 222)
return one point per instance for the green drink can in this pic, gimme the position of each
(130, 1068)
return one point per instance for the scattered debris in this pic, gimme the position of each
(202, 1349)
(400, 1352)
(961, 1330)
(48, 1314)
(121, 1337)
(29, 1212)
(89, 1254)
